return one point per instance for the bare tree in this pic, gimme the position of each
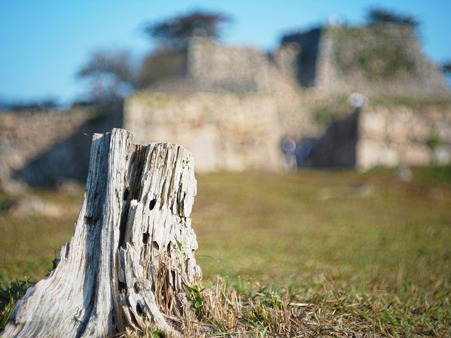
(110, 72)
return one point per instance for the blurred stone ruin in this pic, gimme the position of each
(233, 105)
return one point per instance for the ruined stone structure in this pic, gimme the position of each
(213, 67)
(223, 131)
(231, 110)
(382, 136)
(234, 105)
(216, 68)
(378, 59)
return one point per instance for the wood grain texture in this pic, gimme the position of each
(132, 252)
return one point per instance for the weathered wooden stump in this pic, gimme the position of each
(132, 252)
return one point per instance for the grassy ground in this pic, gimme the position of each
(312, 253)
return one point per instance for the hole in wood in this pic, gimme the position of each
(155, 245)
(139, 311)
(146, 238)
(152, 204)
(126, 194)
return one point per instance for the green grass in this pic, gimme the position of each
(296, 227)
(31, 240)
(311, 253)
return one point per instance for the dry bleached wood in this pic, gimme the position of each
(132, 250)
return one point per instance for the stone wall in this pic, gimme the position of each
(214, 67)
(26, 135)
(383, 136)
(404, 136)
(46, 148)
(223, 131)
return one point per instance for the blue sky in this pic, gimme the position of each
(43, 43)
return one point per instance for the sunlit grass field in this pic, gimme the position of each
(356, 229)
(352, 248)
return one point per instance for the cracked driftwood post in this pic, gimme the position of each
(132, 250)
